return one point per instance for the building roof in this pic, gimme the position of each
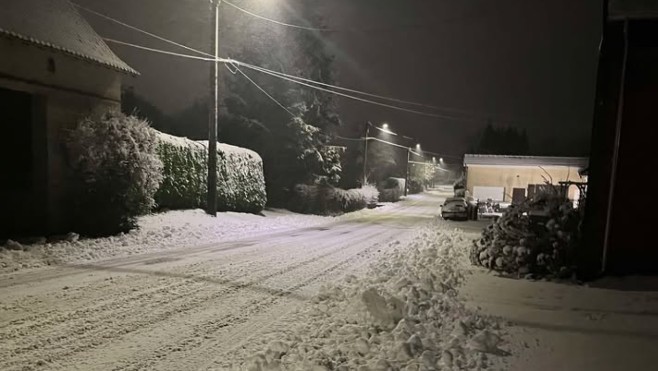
(633, 9)
(472, 159)
(57, 24)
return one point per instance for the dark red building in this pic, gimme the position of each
(620, 217)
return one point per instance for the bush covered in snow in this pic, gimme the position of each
(537, 238)
(391, 190)
(371, 194)
(328, 200)
(116, 172)
(240, 185)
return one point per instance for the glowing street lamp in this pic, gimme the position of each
(418, 146)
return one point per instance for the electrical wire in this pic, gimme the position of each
(361, 92)
(249, 65)
(140, 30)
(275, 21)
(263, 90)
(154, 50)
(351, 96)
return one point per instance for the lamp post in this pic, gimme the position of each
(365, 154)
(211, 201)
(406, 177)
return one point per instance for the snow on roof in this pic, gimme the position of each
(506, 160)
(637, 9)
(58, 25)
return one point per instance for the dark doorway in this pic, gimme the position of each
(23, 170)
(16, 152)
(518, 196)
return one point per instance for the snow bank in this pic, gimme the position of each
(406, 315)
(240, 185)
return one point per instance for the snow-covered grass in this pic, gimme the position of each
(405, 315)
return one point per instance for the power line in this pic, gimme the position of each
(349, 96)
(275, 21)
(263, 90)
(478, 116)
(360, 92)
(164, 51)
(397, 145)
(140, 30)
(232, 61)
(254, 67)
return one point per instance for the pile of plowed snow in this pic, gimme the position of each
(405, 315)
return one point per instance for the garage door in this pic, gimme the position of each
(485, 193)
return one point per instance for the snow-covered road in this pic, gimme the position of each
(188, 308)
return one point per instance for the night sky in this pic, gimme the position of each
(527, 63)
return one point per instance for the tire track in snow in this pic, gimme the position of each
(200, 346)
(84, 331)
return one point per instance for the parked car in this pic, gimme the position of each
(455, 208)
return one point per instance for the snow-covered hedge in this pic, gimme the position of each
(240, 185)
(115, 173)
(328, 200)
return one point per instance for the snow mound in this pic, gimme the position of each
(405, 315)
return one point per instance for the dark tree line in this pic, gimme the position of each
(502, 141)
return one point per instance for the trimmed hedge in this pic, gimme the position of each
(240, 180)
(328, 200)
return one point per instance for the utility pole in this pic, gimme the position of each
(211, 202)
(406, 177)
(365, 154)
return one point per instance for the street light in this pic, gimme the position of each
(384, 129)
(418, 146)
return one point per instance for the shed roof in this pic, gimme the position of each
(57, 24)
(504, 160)
(633, 9)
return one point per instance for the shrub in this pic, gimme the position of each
(328, 200)
(116, 173)
(391, 190)
(371, 194)
(240, 180)
(415, 187)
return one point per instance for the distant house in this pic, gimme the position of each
(620, 216)
(54, 70)
(515, 178)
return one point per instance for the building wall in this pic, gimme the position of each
(511, 177)
(72, 90)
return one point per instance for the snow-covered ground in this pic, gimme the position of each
(361, 293)
(173, 229)
(404, 314)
